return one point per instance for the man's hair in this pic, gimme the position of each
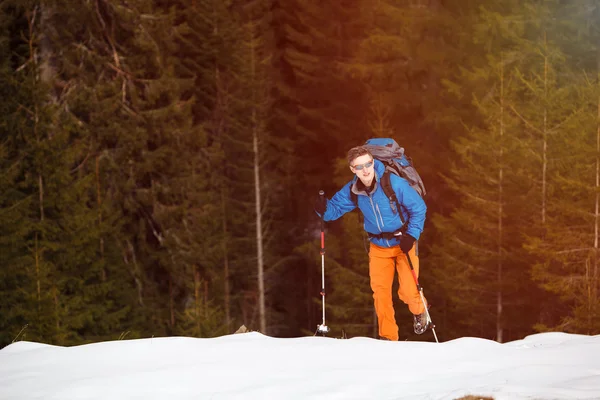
(356, 152)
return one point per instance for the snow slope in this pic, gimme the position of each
(254, 366)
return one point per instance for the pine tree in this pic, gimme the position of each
(568, 265)
(61, 289)
(479, 257)
(233, 92)
(134, 100)
(317, 110)
(256, 80)
(547, 107)
(15, 203)
(567, 256)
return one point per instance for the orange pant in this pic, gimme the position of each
(382, 263)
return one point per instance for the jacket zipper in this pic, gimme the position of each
(375, 213)
(380, 216)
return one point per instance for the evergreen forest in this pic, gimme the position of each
(159, 162)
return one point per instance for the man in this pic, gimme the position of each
(391, 240)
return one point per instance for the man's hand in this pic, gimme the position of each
(406, 243)
(321, 205)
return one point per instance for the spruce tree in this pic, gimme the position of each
(61, 288)
(15, 203)
(566, 247)
(479, 256)
(567, 251)
(134, 99)
(547, 108)
(233, 91)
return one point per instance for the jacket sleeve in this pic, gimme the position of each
(339, 204)
(413, 203)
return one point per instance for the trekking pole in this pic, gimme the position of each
(420, 289)
(322, 329)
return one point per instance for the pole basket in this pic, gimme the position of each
(322, 330)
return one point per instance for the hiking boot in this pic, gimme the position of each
(421, 323)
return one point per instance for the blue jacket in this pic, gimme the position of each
(378, 214)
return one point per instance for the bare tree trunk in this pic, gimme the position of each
(99, 204)
(499, 299)
(41, 190)
(597, 205)
(134, 270)
(34, 60)
(37, 274)
(171, 304)
(220, 106)
(545, 136)
(258, 209)
(205, 298)
(596, 255)
(197, 300)
(37, 250)
(225, 263)
(56, 315)
(36, 118)
(259, 239)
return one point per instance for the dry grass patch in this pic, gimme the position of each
(471, 397)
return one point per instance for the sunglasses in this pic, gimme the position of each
(361, 166)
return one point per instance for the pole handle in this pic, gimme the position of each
(322, 196)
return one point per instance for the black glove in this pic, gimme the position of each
(406, 243)
(321, 205)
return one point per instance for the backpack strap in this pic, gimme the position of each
(354, 197)
(386, 185)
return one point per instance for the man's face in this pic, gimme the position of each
(363, 167)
